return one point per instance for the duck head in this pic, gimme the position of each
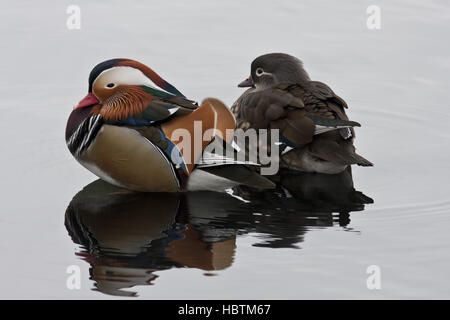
(271, 69)
(117, 89)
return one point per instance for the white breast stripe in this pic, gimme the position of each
(82, 137)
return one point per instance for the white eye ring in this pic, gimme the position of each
(110, 85)
(259, 71)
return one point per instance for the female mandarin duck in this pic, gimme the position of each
(316, 133)
(121, 131)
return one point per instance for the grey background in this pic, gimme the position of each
(395, 80)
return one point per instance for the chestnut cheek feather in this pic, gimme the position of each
(125, 102)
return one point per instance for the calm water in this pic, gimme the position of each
(313, 237)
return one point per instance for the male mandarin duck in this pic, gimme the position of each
(122, 130)
(315, 133)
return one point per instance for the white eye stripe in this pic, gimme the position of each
(260, 71)
(123, 75)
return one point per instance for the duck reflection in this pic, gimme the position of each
(126, 237)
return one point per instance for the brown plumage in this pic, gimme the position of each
(307, 113)
(124, 102)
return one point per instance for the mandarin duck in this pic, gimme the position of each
(315, 132)
(127, 132)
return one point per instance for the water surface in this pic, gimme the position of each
(309, 239)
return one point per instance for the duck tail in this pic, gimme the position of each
(361, 161)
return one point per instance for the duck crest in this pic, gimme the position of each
(99, 68)
(156, 78)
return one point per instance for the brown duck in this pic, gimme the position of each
(315, 133)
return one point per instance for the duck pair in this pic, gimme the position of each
(137, 131)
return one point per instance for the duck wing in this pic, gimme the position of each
(299, 112)
(157, 106)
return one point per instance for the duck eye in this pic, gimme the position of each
(110, 85)
(259, 71)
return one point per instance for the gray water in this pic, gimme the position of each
(314, 241)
